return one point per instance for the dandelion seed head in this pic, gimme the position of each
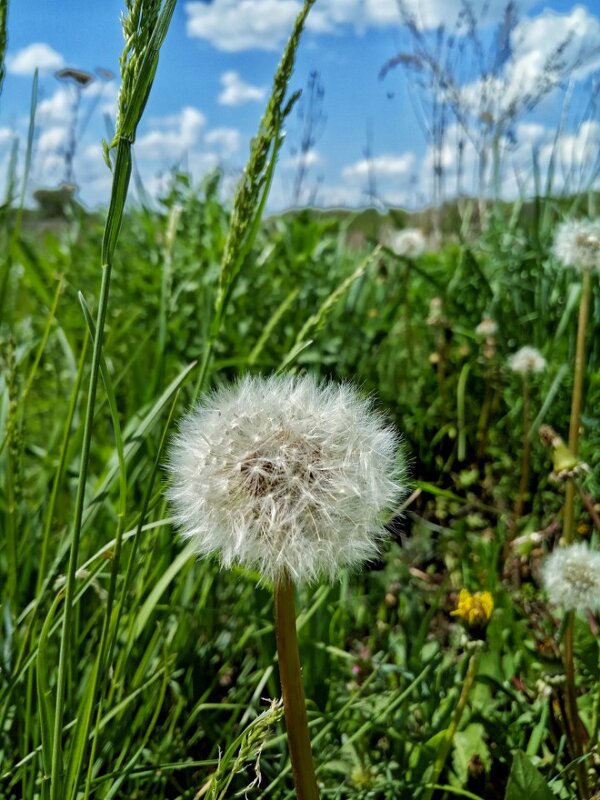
(527, 360)
(487, 327)
(577, 244)
(285, 475)
(571, 576)
(409, 243)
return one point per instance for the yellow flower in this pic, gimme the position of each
(476, 609)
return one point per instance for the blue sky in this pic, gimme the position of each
(215, 72)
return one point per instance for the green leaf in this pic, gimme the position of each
(45, 696)
(470, 744)
(526, 782)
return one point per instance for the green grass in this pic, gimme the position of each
(130, 669)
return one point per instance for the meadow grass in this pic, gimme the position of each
(130, 669)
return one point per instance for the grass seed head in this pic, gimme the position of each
(285, 475)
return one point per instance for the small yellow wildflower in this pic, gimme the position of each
(476, 609)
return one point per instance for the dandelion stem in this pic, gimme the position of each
(408, 331)
(574, 723)
(524, 483)
(296, 720)
(446, 744)
(584, 305)
(569, 526)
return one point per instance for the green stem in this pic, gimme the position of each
(524, 482)
(408, 331)
(446, 744)
(574, 723)
(65, 642)
(576, 401)
(294, 703)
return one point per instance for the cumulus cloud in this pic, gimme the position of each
(306, 160)
(566, 43)
(38, 55)
(389, 165)
(570, 159)
(236, 91)
(7, 136)
(52, 139)
(226, 140)
(57, 108)
(544, 51)
(171, 136)
(234, 25)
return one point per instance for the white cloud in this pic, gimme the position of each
(172, 136)
(227, 140)
(235, 25)
(57, 108)
(39, 55)
(571, 38)
(52, 139)
(7, 136)
(570, 159)
(575, 156)
(545, 51)
(386, 166)
(309, 159)
(430, 14)
(236, 91)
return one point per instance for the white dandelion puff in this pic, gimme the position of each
(577, 244)
(571, 576)
(409, 243)
(527, 360)
(487, 327)
(285, 476)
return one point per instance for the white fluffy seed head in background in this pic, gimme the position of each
(577, 244)
(487, 327)
(409, 243)
(285, 475)
(527, 360)
(571, 576)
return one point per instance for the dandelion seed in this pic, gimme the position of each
(285, 476)
(577, 244)
(571, 576)
(527, 360)
(487, 327)
(436, 318)
(409, 243)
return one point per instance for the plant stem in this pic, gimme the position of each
(576, 400)
(574, 722)
(408, 332)
(65, 641)
(524, 483)
(294, 703)
(569, 527)
(446, 744)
